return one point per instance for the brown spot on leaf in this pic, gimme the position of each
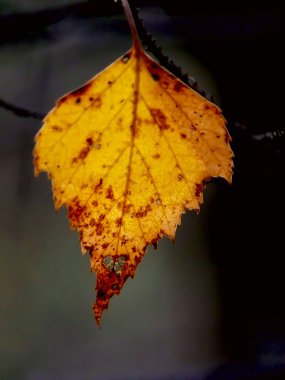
(97, 102)
(101, 217)
(127, 208)
(143, 212)
(183, 135)
(180, 177)
(99, 228)
(98, 186)
(156, 156)
(92, 222)
(87, 247)
(56, 128)
(81, 90)
(178, 86)
(110, 194)
(75, 211)
(155, 76)
(227, 138)
(89, 141)
(95, 203)
(119, 222)
(165, 84)
(78, 101)
(160, 118)
(62, 100)
(101, 294)
(84, 152)
(198, 189)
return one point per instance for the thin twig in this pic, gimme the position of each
(19, 111)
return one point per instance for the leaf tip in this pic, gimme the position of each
(97, 315)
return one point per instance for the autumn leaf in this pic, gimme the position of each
(127, 154)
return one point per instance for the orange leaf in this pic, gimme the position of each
(127, 153)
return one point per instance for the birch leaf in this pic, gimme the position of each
(127, 154)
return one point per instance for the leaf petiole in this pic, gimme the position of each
(132, 24)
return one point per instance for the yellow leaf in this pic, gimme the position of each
(127, 153)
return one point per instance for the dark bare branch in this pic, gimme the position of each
(19, 111)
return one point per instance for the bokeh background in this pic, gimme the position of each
(211, 306)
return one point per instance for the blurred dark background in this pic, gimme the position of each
(212, 305)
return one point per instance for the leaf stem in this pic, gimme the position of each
(132, 24)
